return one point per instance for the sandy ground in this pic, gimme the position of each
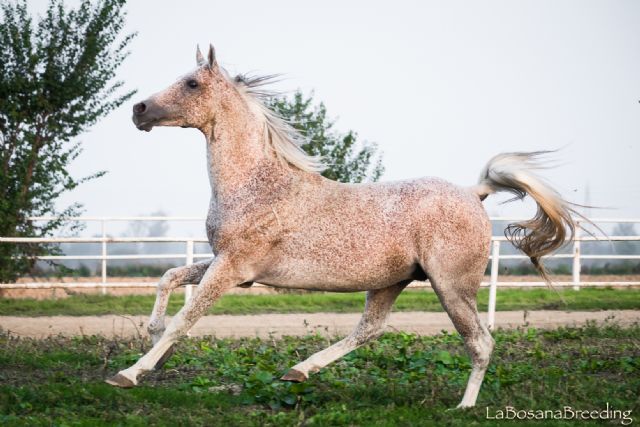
(327, 324)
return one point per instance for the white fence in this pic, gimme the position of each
(189, 256)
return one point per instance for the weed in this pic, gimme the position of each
(400, 379)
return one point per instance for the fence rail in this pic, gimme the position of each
(189, 255)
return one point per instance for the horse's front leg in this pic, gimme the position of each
(219, 277)
(170, 280)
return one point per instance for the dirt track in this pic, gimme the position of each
(264, 325)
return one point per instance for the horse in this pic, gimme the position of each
(274, 219)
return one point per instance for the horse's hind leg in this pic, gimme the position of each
(458, 296)
(371, 325)
(170, 280)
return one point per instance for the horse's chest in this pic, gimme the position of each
(213, 226)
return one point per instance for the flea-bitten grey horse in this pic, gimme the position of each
(275, 220)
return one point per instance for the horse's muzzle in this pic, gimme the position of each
(146, 114)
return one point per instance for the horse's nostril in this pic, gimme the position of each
(139, 108)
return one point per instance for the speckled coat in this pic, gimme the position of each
(273, 219)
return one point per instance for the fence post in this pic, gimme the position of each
(493, 286)
(104, 255)
(188, 290)
(575, 270)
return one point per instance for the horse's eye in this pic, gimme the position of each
(192, 84)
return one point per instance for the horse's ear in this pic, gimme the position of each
(199, 57)
(212, 56)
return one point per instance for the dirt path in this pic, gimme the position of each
(263, 325)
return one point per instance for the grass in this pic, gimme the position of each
(421, 300)
(401, 379)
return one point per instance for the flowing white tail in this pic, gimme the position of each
(552, 223)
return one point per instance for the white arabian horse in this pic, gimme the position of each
(275, 220)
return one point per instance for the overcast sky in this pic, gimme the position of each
(440, 86)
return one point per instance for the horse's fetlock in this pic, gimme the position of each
(155, 327)
(155, 330)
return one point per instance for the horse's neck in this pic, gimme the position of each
(241, 169)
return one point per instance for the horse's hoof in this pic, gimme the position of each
(294, 376)
(167, 354)
(121, 381)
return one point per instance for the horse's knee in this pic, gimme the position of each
(168, 279)
(177, 327)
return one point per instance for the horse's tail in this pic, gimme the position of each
(553, 222)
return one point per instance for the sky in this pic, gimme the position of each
(441, 87)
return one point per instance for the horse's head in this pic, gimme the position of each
(189, 102)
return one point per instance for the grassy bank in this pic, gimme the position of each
(400, 379)
(422, 300)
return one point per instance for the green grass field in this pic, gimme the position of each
(400, 379)
(423, 300)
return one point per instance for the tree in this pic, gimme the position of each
(146, 229)
(56, 81)
(346, 159)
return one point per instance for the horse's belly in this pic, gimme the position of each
(339, 274)
(328, 285)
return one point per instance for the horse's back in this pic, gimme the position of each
(415, 207)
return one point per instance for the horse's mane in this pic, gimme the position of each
(283, 138)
